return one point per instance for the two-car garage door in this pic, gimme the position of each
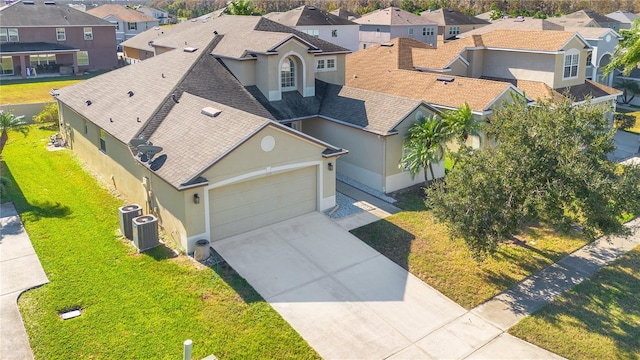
(266, 200)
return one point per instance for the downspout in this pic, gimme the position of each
(384, 162)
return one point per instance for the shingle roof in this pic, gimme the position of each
(375, 69)
(392, 16)
(590, 89)
(582, 18)
(622, 16)
(372, 111)
(293, 105)
(308, 15)
(447, 17)
(20, 14)
(345, 14)
(535, 90)
(526, 23)
(192, 140)
(536, 40)
(242, 35)
(121, 12)
(592, 32)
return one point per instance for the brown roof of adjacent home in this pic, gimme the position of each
(121, 12)
(39, 13)
(392, 16)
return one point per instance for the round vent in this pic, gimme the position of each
(145, 218)
(130, 207)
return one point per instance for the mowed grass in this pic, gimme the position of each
(135, 306)
(598, 319)
(414, 240)
(636, 127)
(31, 92)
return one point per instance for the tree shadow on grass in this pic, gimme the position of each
(34, 210)
(606, 304)
(388, 239)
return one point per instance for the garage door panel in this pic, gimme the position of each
(259, 202)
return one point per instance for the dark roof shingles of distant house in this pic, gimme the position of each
(450, 17)
(23, 15)
(308, 16)
(35, 46)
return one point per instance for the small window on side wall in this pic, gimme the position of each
(334, 33)
(103, 141)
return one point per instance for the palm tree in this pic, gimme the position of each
(461, 125)
(10, 122)
(241, 7)
(629, 89)
(424, 145)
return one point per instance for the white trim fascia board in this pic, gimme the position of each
(303, 135)
(39, 52)
(464, 61)
(576, 34)
(597, 100)
(334, 52)
(275, 47)
(354, 126)
(227, 152)
(420, 103)
(510, 87)
(431, 70)
(192, 186)
(54, 26)
(554, 52)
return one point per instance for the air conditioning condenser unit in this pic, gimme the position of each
(145, 232)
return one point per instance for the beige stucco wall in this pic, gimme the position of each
(333, 77)
(268, 70)
(559, 82)
(365, 160)
(289, 149)
(244, 71)
(118, 167)
(458, 68)
(520, 65)
(476, 62)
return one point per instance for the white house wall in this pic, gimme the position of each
(348, 35)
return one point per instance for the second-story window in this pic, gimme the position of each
(454, 30)
(411, 31)
(88, 33)
(61, 34)
(13, 35)
(132, 26)
(571, 62)
(589, 59)
(3, 35)
(288, 74)
(377, 32)
(334, 33)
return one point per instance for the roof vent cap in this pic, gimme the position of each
(49, 2)
(190, 49)
(28, 2)
(387, 44)
(446, 79)
(210, 111)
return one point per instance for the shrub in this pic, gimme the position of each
(48, 115)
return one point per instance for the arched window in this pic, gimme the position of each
(288, 74)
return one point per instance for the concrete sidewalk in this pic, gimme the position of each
(376, 209)
(20, 270)
(509, 307)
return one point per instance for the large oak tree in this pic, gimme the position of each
(548, 163)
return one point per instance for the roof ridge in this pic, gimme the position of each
(158, 116)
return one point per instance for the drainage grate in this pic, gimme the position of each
(70, 314)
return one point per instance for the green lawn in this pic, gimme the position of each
(135, 306)
(636, 127)
(416, 242)
(34, 90)
(598, 319)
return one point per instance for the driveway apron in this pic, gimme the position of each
(349, 301)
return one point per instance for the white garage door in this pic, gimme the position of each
(249, 205)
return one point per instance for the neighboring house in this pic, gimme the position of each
(53, 38)
(624, 17)
(128, 22)
(383, 25)
(633, 76)
(451, 22)
(161, 15)
(602, 40)
(320, 24)
(586, 18)
(244, 120)
(540, 62)
(345, 14)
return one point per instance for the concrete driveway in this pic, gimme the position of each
(626, 146)
(349, 301)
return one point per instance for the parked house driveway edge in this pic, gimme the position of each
(349, 301)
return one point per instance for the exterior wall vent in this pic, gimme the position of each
(209, 111)
(445, 79)
(190, 49)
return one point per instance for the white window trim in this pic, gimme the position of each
(63, 33)
(325, 61)
(90, 33)
(410, 31)
(571, 53)
(4, 35)
(85, 51)
(17, 35)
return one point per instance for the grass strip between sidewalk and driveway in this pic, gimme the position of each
(134, 306)
(597, 319)
(414, 240)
